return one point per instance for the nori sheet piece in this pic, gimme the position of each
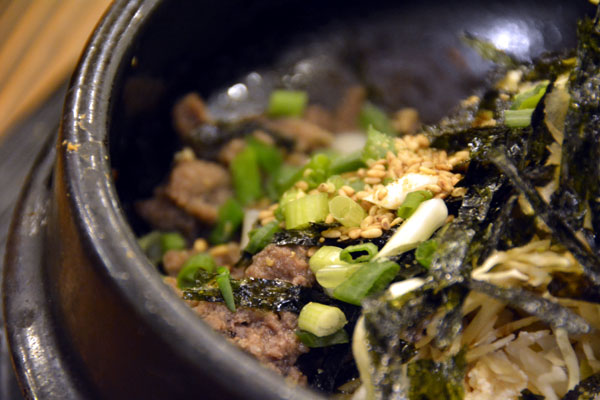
(551, 313)
(587, 389)
(574, 286)
(579, 185)
(437, 380)
(553, 217)
(272, 295)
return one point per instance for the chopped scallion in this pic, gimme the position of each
(429, 216)
(412, 201)
(301, 212)
(261, 237)
(331, 276)
(286, 176)
(325, 256)
(345, 210)
(337, 181)
(320, 319)
(287, 103)
(186, 276)
(425, 251)
(371, 278)
(172, 241)
(518, 118)
(377, 145)
(371, 115)
(530, 98)
(316, 170)
(229, 219)
(359, 253)
(152, 247)
(346, 163)
(246, 176)
(313, 341)
(269, 157)
(224, 282)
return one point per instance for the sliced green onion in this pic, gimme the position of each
(320, 319)
(261, 237)
(429, 216)
(346, 163)
(337, 181)
(269, 157)
(371, 115)
(186, 276)
(371, 278)
(224, 281)
(425, 251)
(377, 145)
(151, 245)
(314, 341)
(316, 170)
(325, 256)
(412, 202)
(518, 118)
(246, 176)
(346, 211)
(229, 219)
(530, 98)
(356, 253)
(286, 176)
(356, 184)
(331, 276)
(301, 212)
(287, 103)
(172, 241)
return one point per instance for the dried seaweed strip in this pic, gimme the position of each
(273, 295)
(587, 389)
(555, 219)
(579, 174)
(551, 313)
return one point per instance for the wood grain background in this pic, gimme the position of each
(40, 43)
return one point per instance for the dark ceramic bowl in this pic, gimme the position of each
(87, 314)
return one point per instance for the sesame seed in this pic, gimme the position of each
(354, 233)
(348, 190)
(331, 233)
(302, 185)
(200, 245)
(371, 233)
(372, 181)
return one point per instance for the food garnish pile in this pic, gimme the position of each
(371, 257)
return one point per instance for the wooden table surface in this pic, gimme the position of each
(40, 43)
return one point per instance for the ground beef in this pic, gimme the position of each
(173, 260)
(288, 263)
(320, 116)
(199, 187)
(188, 113)
(230, 150)
(226, 254)
(162, 214)
(306, 135)
(266, 335)
(346, 114)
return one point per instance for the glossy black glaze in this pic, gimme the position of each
(87, 315)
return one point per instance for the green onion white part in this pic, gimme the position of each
(430, 216)
(320, 319)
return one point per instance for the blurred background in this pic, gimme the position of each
(40, 43)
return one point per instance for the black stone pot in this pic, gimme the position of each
(87, 315)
